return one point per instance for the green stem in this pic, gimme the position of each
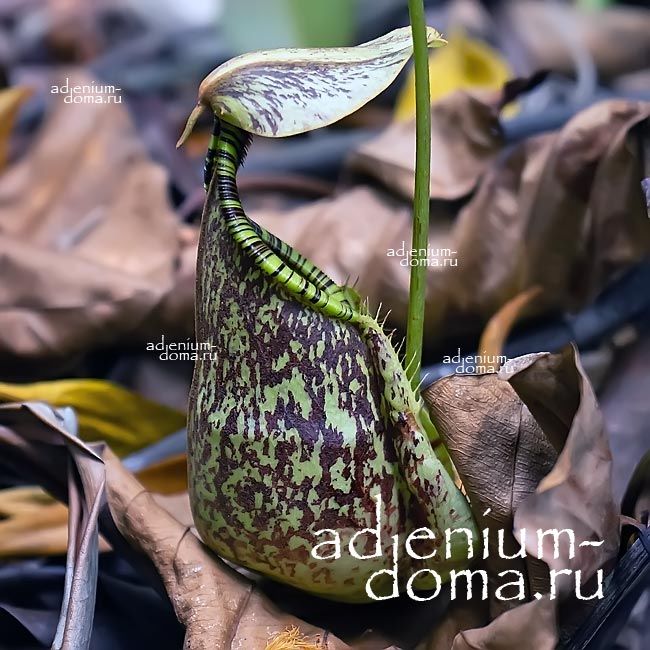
(417, 290)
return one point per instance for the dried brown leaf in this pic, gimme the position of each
(626, 408)
(487, 422)
(461, 615)
(551, 392)
(577, 493)
(90, 249)
(37, 437)
(501, 454)
(458, 155)
(615, 39)
(541, 215)
(532, 625)
(586, 214)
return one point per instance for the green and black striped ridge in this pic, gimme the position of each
(297, 275)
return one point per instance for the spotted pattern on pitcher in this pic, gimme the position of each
(299, 423)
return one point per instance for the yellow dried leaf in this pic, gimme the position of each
(465, 63)
(33, 524)
(169, 476)
(124, 420)
(10, 101)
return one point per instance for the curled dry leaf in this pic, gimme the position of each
(591, 182)
(459, 156)
(625, 405)
(503, 440)
(532, 625)
(501, 454)
(554, 391)
(461, 615)
(466, 137)
(577, 494)
(549, 214)
(36, 437)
